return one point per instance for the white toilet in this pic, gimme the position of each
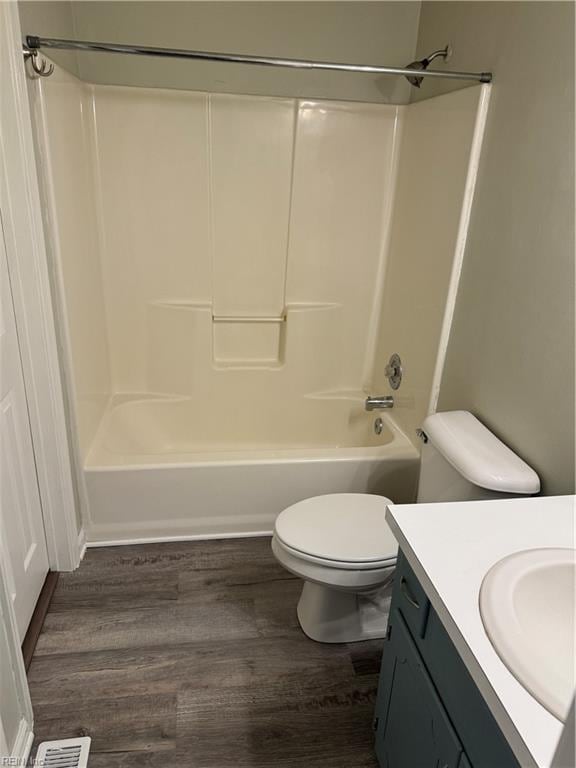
(340, 544)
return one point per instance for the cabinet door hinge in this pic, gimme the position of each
(389, 632)
(375, 722)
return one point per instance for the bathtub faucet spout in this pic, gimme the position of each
(379, 403)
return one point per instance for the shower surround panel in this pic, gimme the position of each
(222, 264)
(240, 234)
(65, 152)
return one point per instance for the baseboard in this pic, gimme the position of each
(168, 539)
(37, 620)
(22, 744)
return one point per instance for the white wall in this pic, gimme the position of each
(511, 353)
(356, 32)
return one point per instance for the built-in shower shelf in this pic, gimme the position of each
(241, 319)
(248, 365)
(183, 304)
(189, 342)
(253, 341)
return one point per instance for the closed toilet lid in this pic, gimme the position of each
(340, 527)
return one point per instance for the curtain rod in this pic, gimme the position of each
(34, 44)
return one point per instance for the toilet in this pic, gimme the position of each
(343, 549)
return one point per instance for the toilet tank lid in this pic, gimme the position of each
(478, 455)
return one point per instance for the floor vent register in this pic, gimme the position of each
(66, 753)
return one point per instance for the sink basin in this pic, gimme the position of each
(527, 607)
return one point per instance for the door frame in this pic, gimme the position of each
(32, 296)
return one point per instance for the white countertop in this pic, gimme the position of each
(450, 547)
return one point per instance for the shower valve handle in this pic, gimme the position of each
(393, 371)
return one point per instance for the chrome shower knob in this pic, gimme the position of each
(393, 371)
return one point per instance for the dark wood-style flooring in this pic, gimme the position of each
(190, 655)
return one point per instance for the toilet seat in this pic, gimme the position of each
(341, 530)
(345, 565)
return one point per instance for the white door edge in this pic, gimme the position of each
(26, 252)
(16, 680)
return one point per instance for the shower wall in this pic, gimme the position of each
(441, 142)
(242, 237)
(62, 113)
(211, 243)
(232, 274)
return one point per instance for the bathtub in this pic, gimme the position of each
(162, 469)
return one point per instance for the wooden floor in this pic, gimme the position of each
(190, 655)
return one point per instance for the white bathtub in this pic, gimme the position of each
(162, 468)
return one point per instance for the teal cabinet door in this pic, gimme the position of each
(412, 727)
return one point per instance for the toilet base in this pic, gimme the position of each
(335, 616)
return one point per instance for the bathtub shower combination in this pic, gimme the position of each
(232, 275)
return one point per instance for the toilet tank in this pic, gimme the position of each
(462, 461)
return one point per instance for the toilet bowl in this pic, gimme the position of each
(340, 544)
(342, 548)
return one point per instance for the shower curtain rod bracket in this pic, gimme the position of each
(34, 44)
(39, 65)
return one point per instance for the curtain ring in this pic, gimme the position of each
(40, 66)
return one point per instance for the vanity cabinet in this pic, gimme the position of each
(413, 727)
(429, 712)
